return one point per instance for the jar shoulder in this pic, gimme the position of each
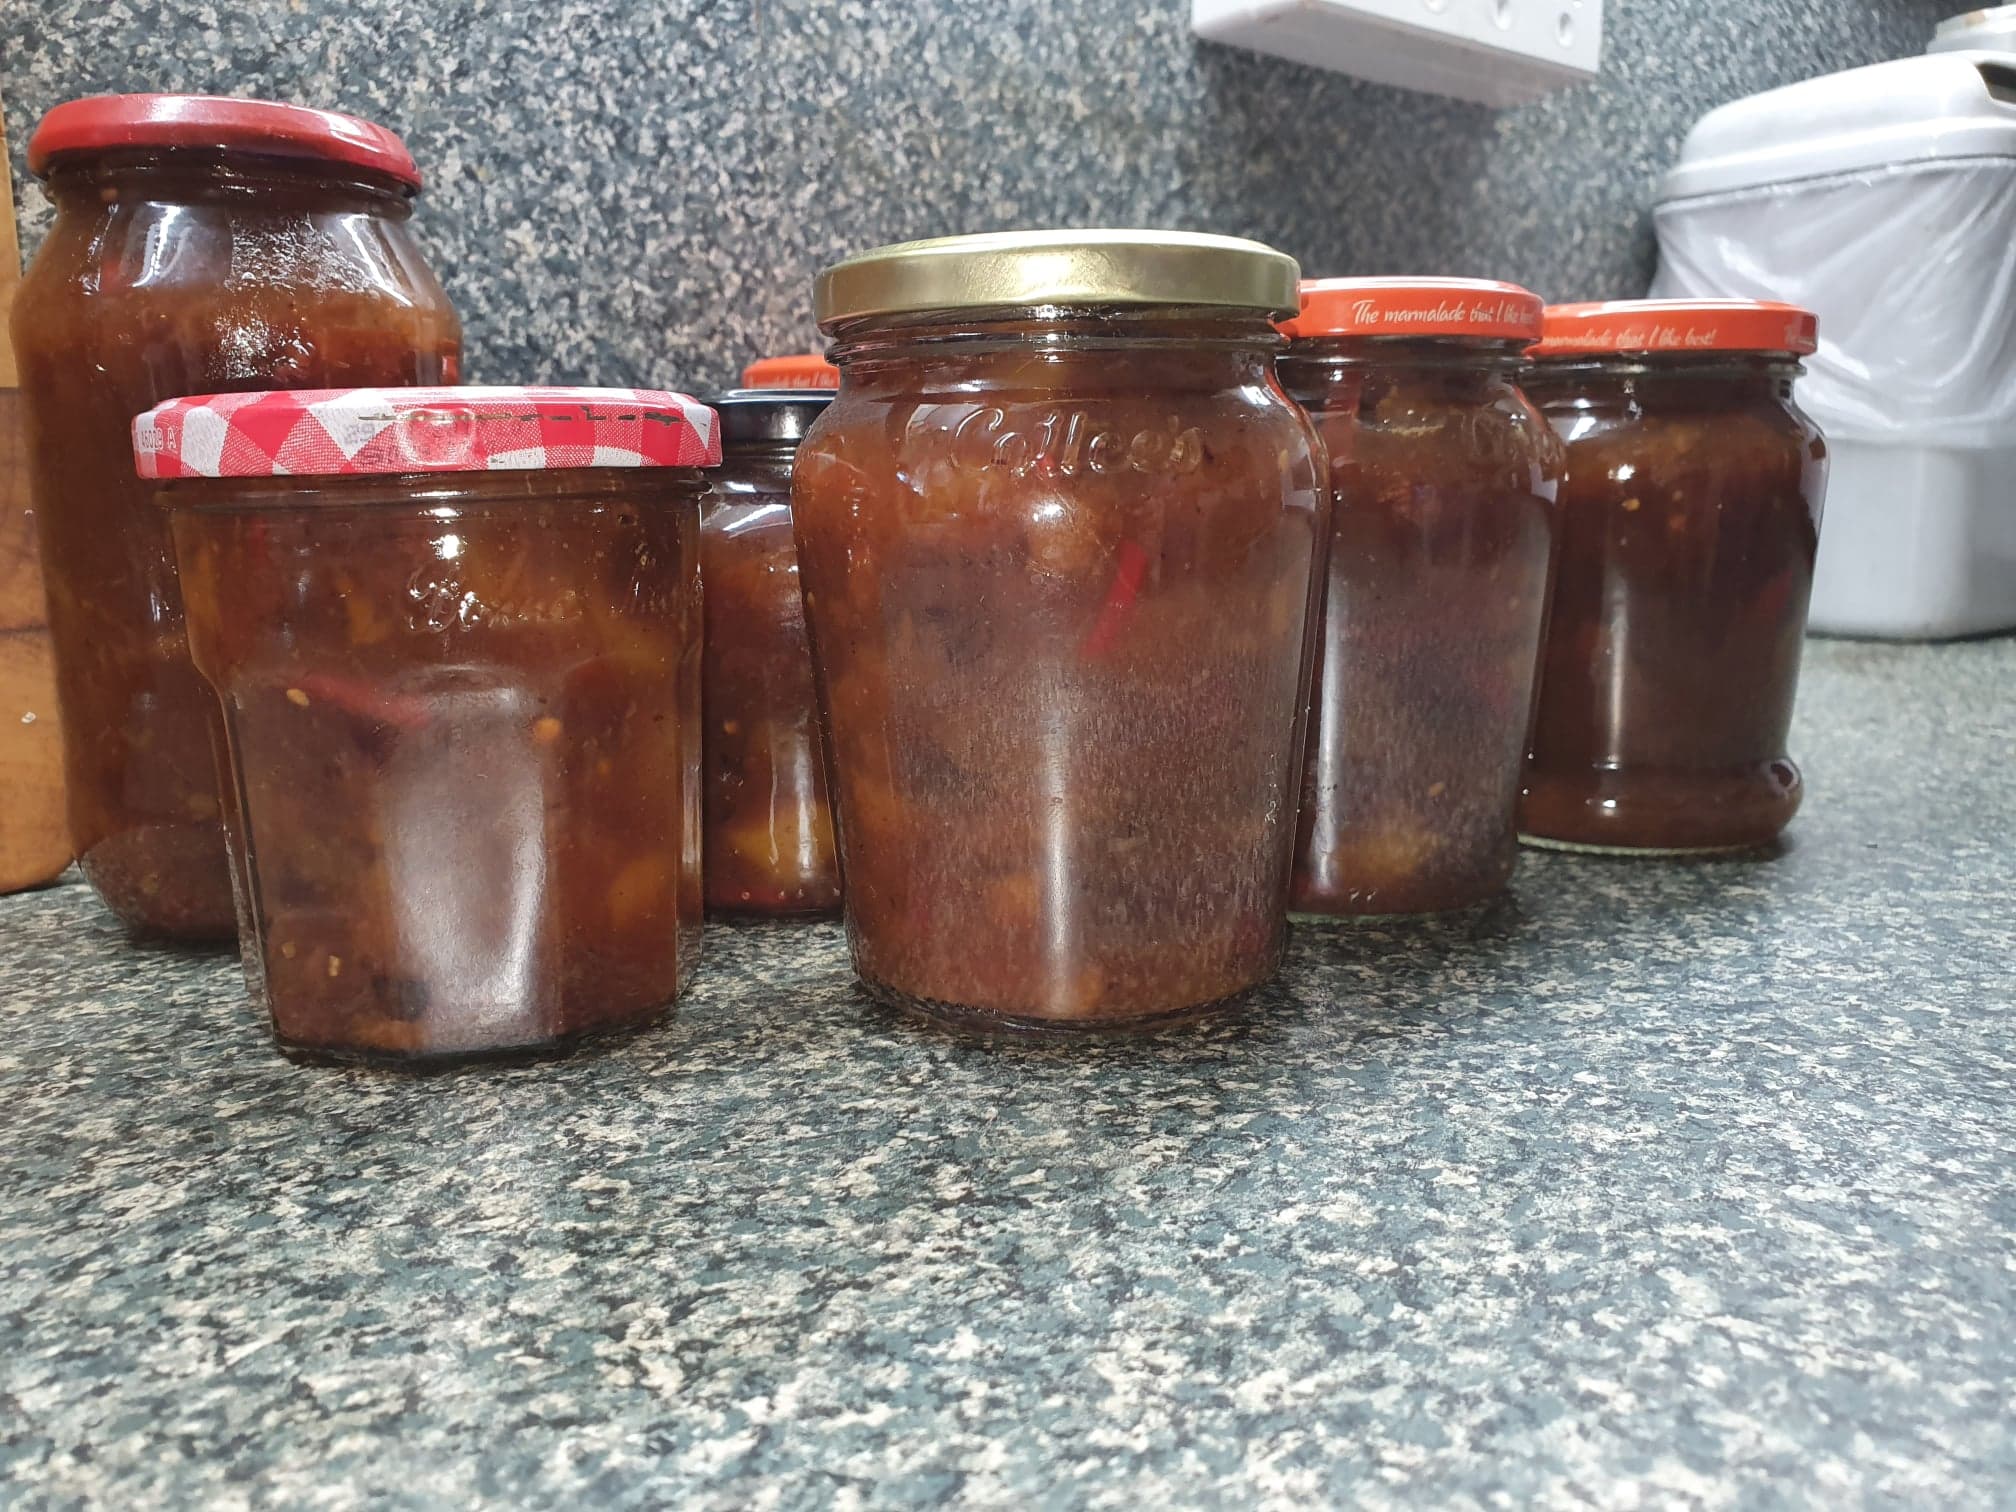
(1604, 410)
(1066, 427)
(152, 258)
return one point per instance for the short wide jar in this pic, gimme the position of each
(1690, 513)
(454, 636)
(1442, 535)
(769, 827)
(1060, 535)
(199, 244)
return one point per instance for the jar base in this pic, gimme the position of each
(984, 1023)
(1584, 848)
(746, 913)
(1607, 811)
(1475, 903)
(165, 883)
(427, 1063)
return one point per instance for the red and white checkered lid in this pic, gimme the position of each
(320, 432)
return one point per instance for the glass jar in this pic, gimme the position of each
(199, 245)
(456, 662)
(1441, 538)
(1060, 535)
(769, 829)
(1690, 512)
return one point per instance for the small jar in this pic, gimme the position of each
(798, 370)
(454, 638)
(1441, 538)
(199, 245)
(1690, 512)
(1060, 535)
(769, 829)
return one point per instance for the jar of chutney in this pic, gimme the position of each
(1690, 516)
(200, 245)
(1061, 535)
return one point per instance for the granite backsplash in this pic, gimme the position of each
(639, 191)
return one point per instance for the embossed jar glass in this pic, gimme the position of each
(1060, 536)
(455, 640)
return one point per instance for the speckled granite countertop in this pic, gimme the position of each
(1666, 1184)
(640, 193)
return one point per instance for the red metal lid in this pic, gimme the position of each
(800, 370)
(1476, 308)
(323, 432)
(1678, 325)
(99, 123)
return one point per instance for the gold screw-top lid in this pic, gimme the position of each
(1019, 268)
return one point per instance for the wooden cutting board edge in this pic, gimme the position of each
(34, 836)
(10, 259)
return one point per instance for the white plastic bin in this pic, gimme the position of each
(1884, 199)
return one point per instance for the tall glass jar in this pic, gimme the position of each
(769, 826)
(1690, 515)
(1442, 536)
(1060, 535)
(200, 245)
(454, 638)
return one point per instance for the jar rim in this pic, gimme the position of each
(756, 417)
(434, 491)
(1544, 365)
(1370, 348)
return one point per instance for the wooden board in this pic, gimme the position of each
(34, 842)
(10, 263)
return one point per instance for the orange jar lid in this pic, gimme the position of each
(1678, 325)
(104, 123)
(1478, 309)
(800, 370)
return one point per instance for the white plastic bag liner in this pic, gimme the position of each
(1912, 271)
(1883, 199)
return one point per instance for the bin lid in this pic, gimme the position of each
(1914, 110)
(1992, 27)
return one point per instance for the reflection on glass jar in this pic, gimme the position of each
(1059, 560)
(460, 712)
(1441, 541)
(199, 246)
(1690, 519)
(769, 828)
